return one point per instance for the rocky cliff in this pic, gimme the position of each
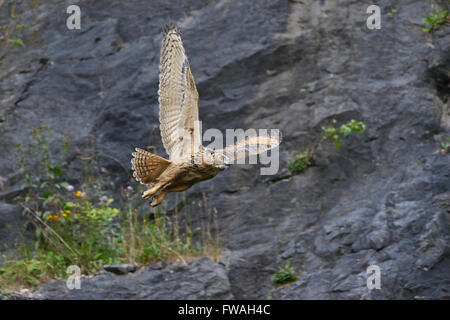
(383, 198)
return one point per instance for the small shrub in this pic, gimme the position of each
(345, 130)
(284, 275)
(434, 21)
(445, 145)
(300, 162)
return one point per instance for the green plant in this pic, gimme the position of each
(30, 271)
(22, 27)
(300, 162)
(87, 226)
(11, 32)
(392, 13)
(284, 275)
(445, 145)
(47, 177)
(434, 21)
(345, 130)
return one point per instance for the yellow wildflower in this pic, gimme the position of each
(80, 194)
(52, 217)
(64, 213)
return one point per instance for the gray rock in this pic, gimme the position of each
(120, 268)
(199, 279)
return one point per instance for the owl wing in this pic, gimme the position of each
(178, 99)
(249, 147)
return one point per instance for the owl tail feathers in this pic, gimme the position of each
(147, 167)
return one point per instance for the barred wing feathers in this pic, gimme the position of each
(178, 98)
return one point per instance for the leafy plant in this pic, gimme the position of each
(16, 43)
(5, 293)
(284, 275)
(86, 226)
(22, 27)
(45, 186)
(30, 271)
(434, 21)
(12, 31)
(345, 130)
(392, 13)
(300, 162)
(445, 145)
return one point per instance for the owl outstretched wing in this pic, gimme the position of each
(249, 147)
(178, 99)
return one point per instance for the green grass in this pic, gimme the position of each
(5, 293)
(86, 226)
(284, 275)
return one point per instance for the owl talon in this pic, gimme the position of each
(147, 195)
(155, 191)
(159, 198)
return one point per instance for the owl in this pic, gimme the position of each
(189, 161)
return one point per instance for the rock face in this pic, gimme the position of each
(383, 198)
(14, 230)
(120, 268)
(199, 279)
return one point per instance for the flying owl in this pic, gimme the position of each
(189, 161)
